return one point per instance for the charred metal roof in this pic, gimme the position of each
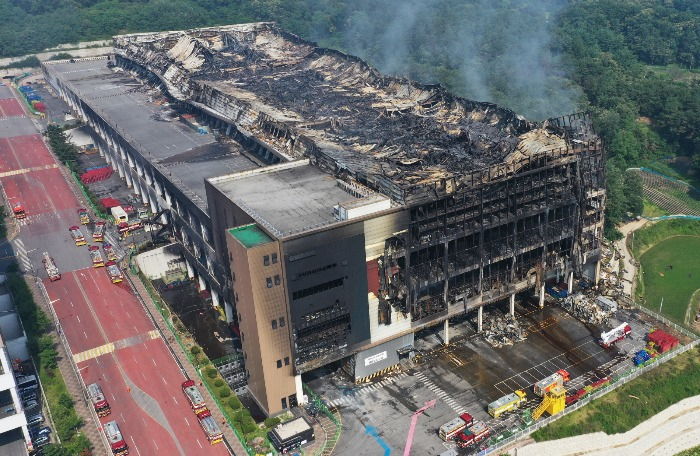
(390, 133)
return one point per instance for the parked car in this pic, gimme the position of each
(35, 419)
(37, 432)
(41, 440)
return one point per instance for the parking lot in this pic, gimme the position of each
(469, 374)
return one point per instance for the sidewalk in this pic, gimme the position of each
(74, 385)
(669, 432)
(621, 246)
(185, 364)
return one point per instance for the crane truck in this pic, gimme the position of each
(614, 335)
(97, 399)
(556, 379)
(77, 235)
(115, 439)
(50, 266)
(18, 211)
(507, 403)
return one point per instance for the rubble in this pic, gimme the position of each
(500, 329)
(585, 309)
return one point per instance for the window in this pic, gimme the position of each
(277, 280)
(281, 322)
(279, 363)
(286, 360)
(274, 324)
(317, 289)
(284, 402)
(274, 258)
(266, 260)
(269, 282)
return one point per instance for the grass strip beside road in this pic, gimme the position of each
(41, 346)
(625, 407)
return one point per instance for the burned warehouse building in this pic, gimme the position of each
(341, 210)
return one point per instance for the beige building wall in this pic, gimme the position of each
(264, 322)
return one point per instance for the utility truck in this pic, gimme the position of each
(507, 403)
(109, 252)
(557, 379)
(99, 234)
(84, 216)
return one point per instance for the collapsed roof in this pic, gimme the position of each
(390, 133)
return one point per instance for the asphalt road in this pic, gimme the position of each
(111, 336)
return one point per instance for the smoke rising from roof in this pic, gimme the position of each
(501, 51)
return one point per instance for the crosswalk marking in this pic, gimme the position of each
(439, 392)
(110, 347)
(14, 172)
(21, 252)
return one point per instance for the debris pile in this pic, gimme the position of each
(585, 309)
(500, 330)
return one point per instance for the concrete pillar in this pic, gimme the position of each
(153, 201)
(300, 390)
(120, 170)
(159, 189)
(480, 319)
(215, 298)
(190, 270)
(144, 192)
(203, 230)
(202, 282)
(571, 282)
(229, 311)
(542, 297)
(168, 199)
(512, 304)
(447, 331)
(597, 273)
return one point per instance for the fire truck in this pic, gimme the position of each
(115, 274)
(109, 252)
(557, 379)
(507, 403)
(194, 397)
(18, 210)
(97, 398)
(116, 441)
(125, 228)
(472, 435)
(50, 266)
(614, 335)
(77, 235)
(210, 427)
(99, 234)
(97, 260)
(84, 216)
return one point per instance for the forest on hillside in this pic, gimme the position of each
(632, 63)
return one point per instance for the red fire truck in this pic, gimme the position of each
(77, 235)
(116, 441)
(18, 210)
(472, 435)
(84, 216)
(97, 398)
(210, 427)
(99, 234)
(50, 266)
(115, 274)
(97, 260)
(194, 397)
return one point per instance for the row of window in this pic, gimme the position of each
(286, 362)
(274, 323)
(317, 289)
(269, 281)
(266, 259)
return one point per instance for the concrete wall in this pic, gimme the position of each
(367, 362)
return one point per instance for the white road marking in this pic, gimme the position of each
(186, 420)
